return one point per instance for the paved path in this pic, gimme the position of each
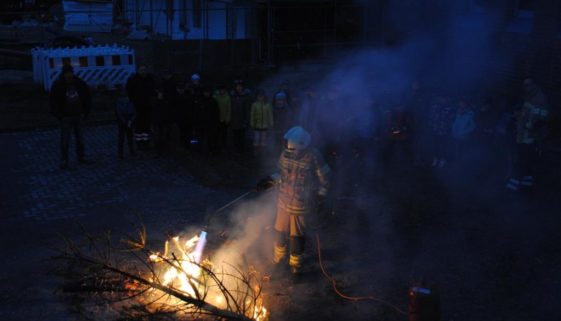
(38, 202)
(495, 255)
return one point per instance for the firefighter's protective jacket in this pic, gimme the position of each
(301, 177)
(530, 123)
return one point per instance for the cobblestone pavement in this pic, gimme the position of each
(494, 254)
(38, 202)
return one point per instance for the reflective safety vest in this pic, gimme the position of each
(527, 127)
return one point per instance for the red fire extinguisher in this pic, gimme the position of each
(424, 304)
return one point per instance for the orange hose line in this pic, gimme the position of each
(344, 296)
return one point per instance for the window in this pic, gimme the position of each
(116, 60)
(99, 61)
(83, 61)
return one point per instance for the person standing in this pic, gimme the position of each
(141, 91)
(196, 92)
(126, 114)
(241, 101)
(162, 118)
(441, 117)
(209, 118)
(261, 119)
(303, 178)
(70, 103)
(531, 128)
(181, 104)
(225, 107)
(462, 129)
(398, 138)
(282, 113)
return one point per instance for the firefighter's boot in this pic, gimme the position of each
(279, 254)
(295, 263)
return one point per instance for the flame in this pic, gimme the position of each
(183, 272)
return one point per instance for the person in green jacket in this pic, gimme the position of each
(225, 106)
(261, 119)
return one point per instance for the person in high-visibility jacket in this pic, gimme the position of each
(531, 128)
(261, 119)
(303, 178)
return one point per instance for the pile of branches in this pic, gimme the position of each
(122, 282)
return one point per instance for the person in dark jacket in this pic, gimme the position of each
(397, 138)
(282, 113)
(239, 118)
(70, 103)
(222, 97)
(162, 118)
(181, 104)
(196, 91)
(141, 91)
(441, 116)
(209, 120)
(531, 129)
(126, 114)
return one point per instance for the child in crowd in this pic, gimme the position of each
(261, 119)
(440, 118)
(462, 128)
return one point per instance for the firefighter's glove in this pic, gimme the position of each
(265, 184)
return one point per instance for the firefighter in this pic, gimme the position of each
(302, 175)
(531, 129)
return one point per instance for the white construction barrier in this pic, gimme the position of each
(98, 65)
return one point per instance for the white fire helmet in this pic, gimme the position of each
(297, 138)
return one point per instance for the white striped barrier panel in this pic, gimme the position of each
(107, 65)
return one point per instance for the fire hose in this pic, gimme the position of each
(330, 278)
(234, 201)
(347, 297)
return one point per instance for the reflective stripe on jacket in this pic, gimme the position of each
(261, 115)
(299, 177)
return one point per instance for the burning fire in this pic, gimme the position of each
(183, 271)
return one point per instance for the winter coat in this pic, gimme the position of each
(196, 92)
(182, 107)
(261, 115)
(240, 109)
(464, 125)
(208, 115)
(441, 117)
(69, 99)
(163, 112)
(141, 90)
(224, 106)
(530, 124)
(125, 111)
(398, 120)
(283, 116)
(300, 178)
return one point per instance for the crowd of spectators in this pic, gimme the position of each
(425, 128)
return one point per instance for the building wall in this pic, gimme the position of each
(538, 50)
(190, 19)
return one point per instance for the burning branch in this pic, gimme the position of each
(150, 277)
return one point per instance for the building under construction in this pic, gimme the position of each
(230, 36)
